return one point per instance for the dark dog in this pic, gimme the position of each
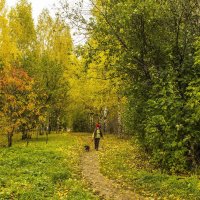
(87, 148)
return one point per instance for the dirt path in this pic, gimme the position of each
(101, 185)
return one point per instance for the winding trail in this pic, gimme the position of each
(102, 186)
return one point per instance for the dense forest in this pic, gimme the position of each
(137, 73)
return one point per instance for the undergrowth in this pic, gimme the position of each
(124, 161)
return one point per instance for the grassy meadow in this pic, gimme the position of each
(52, 171)
(43, 171)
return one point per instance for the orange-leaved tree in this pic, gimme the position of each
(18, 101)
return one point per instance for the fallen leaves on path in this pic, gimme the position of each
(104, 187)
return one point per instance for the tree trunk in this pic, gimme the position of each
(47, 137)
(105, 119)
(24, 135)
(38, 132)
(91, 119)
(10, 139)
(28, 139)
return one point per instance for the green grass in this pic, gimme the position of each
(52, 171)
(43, 171)
(124, 162)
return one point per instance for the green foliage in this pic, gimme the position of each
(60, 176)
(155, 43)
(80, 122)
(142, 54)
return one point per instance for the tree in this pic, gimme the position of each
(18, 101)
(95, 85)
(22, 26)
(154, 43)
(55, 48)
(8, 49)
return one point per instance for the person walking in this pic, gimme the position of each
(97, 135)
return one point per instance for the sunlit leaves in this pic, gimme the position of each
(22, 25)
(54, 67)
